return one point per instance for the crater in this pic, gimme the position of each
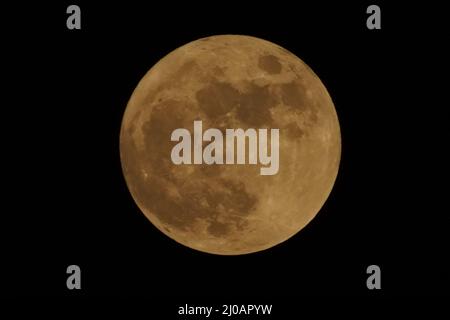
(293, 94)
(217, 99)
(218, 72)
(255, 104)
(218, 229)
(294, 131)
(199, 202)
(165, 117)
(270, 64)
(185, 69)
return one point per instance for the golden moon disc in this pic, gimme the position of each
(230, 82)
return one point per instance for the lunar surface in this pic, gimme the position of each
(230, 81)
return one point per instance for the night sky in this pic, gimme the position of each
(65, 200)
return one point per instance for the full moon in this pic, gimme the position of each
(230, 81)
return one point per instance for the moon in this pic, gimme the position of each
(230, 81)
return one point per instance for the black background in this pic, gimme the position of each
(66, 202)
